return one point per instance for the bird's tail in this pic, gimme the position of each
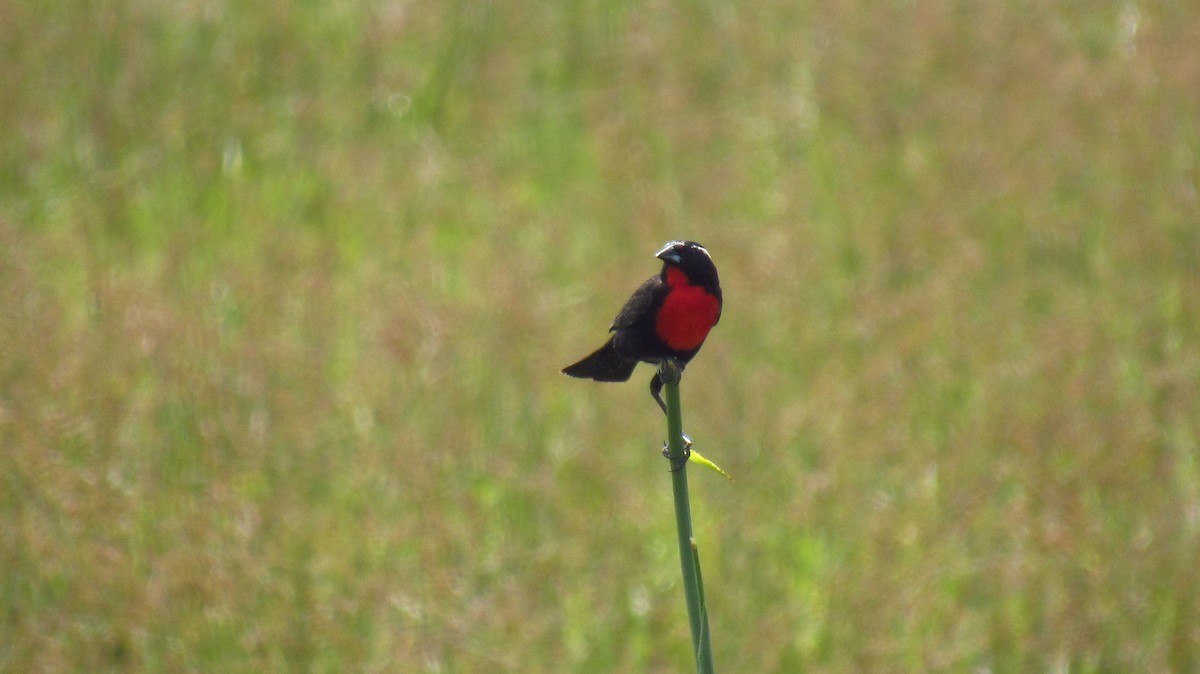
(605, 364)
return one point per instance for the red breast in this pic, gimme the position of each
(687, 314)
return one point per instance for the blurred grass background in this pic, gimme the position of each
(286, 288)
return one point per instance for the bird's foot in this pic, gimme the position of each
(670, 370)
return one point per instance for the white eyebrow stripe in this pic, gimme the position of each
(686, 244)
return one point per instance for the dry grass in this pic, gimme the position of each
(286, 289)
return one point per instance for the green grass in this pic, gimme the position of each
(286, 288)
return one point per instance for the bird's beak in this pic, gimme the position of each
(668, 255)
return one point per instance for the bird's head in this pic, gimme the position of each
(693, 261)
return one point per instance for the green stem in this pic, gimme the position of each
(689, 559)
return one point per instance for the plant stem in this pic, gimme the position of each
(689, 559)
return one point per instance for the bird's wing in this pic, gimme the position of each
(639, 305)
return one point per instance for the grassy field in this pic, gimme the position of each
(286, 288)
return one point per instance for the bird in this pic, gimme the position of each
(667, 318)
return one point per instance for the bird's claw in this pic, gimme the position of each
(678, 464)
(669, 371)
